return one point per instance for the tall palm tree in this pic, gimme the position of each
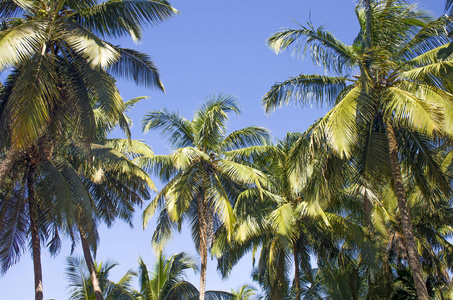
(401, 83)
(57, 53)
(115, 184)
(204, 173)
(75, 191)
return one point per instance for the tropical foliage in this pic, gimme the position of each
(356, 207)
(204, 173)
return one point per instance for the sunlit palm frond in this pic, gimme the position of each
(130, 148)
(119, 18)
(410, 111)
(245, 137)
(340, 125)
(326, 50)
(13, 50)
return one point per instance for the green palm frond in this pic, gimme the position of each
(120, 18)
(326, 50)
(340, 125)
(14, 228)
(222, 206)
(410, 111)
(136, 66)
(11, 8)
(160, 165)
(76, 273)
(177, 129)
(239, 172)
(97, 52)
(210, 120)
(130, 148)
(304, 90)
(111, 159)
(248, 136)
(429, 38)
(13, 51)
(34, 82)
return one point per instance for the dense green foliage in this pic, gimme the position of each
(365, 191)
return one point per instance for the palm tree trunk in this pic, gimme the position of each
(35, 243)
(296, 272)
(203, 227)
(90, 264)
(406, 221)
(7, 163)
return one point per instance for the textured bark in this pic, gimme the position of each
(203, 227)
(90, 264)
(35, 243)
(8, 163)
(408, 230)
(296, 272)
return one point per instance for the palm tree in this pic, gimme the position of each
(204, 173)
(114, 183)
(167, 280)
(75, 192)
(57, 53)
(401, 84)
(81, 287)
(294, 218)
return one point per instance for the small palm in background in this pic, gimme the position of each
(166, 281)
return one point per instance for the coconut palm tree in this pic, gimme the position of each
(401, 83)
(167, 280)
(294, 218)
(75, 192)
(115, 184)
(204, 172)
(57, 53)
(81, 287)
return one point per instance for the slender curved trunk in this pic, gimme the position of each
(90, 264)
(408, 230)
(296, 271)
(7, 163)
(203, 227)
(35, 243)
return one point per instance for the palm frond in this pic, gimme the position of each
(175, 128)
(304, 90)
(119, 18)
(326, 50)
(19, 43)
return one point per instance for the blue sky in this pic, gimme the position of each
(211, 47)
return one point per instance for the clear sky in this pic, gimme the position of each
(212, 47)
